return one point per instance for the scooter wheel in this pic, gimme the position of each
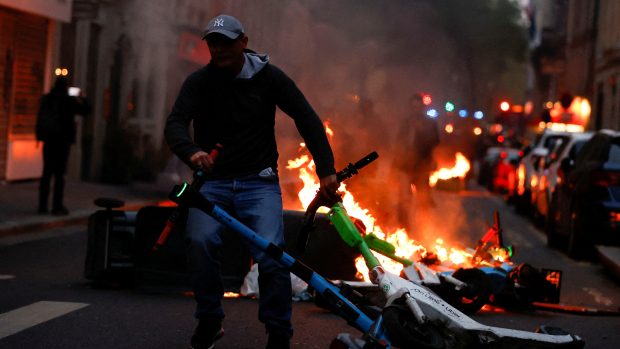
(405, 332)
(471, 298)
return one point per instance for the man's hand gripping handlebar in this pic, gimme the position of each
(328, 200)
(197, 182)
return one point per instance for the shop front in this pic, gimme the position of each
(27, 51)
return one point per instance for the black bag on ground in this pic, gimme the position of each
(110, 241)
(167, 267)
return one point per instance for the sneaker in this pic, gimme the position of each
(60, 211)
(207, 332)
(278, 341)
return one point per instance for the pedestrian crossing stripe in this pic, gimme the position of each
(34, 314)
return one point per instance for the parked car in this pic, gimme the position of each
(520, 195)
(585, 204)
(547, 173)
(528, 167)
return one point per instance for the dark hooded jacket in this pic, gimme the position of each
(56, 116)
(238, 112)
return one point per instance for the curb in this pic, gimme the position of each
(21, 228)
(39, 222)
(610, 259)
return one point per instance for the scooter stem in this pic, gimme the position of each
(350, 235)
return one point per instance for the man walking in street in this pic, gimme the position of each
(232, 101)
(56, 129)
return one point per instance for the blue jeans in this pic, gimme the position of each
(256, 202)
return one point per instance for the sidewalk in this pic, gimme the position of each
(18, 203)
(609, 256)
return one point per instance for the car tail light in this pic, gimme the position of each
(605, 178)
(614, 217)
(560, 173)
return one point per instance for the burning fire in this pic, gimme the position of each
(460, 169)
(441, 255)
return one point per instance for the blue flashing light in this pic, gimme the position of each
(432, 113)
(463, 113)
(478, 115)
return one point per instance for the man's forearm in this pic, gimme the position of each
(313, 133)
(178, 139)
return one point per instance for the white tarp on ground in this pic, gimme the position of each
(250, 285)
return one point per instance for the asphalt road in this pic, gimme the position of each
(46, 303)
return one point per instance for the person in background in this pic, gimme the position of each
(417, 138)
(56, 128)
(232, 102)
(425, 139)
(567, 116)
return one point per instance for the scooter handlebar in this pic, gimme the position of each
(318, 201)
(198, 180)
(352, 169)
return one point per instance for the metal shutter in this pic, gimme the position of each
(29, 47)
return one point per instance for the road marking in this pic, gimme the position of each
(31, 315)
(6, 277)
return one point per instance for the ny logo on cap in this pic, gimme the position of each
(219, 22)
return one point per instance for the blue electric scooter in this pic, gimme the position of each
(414, 317)
(374, 334)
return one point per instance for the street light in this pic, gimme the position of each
(432, 113)
(61, 71)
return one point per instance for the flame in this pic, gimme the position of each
(460, 169)
(488, 308)
(328, 130)
(578, 113)
(406, 247)
(500, 254)
(226, 294)
(297, 163)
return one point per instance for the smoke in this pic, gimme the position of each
(357, 63)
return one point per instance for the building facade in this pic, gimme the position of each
(607, 66)
(131, 57)
(28, 53)
(128, 57)
(548, 38)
